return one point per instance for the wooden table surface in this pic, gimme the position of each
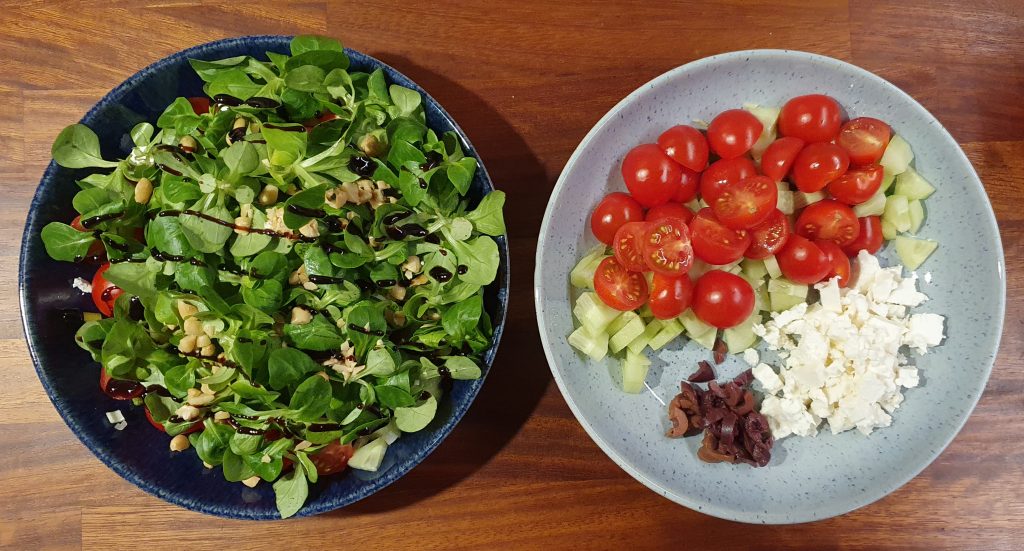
(526, 80)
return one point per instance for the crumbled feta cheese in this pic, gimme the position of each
(115, 417)
(82, 285)
(751, 357)
(841, 360)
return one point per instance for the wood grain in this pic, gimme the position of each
(526, 80)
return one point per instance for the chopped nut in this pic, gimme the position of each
(193, 326)
(193, 392)
(143, 190)
(187, 412)
(208, 350)
(303, 445)
(202, 341)
(309, 286)
(365, 191)
(419, 280)
(336, 197)
(252, 481)
(395, 318)
(413, 264)
(221, 415)
(397, 292)
(268, 196)
(207, 465)
(310, 229)
(179, 443)
(240, 122)
(265, 459)
(186, 309)
(370, 145)
(300, 316)
(241, 223)
(433, 315)
(206, 389)
(187, 344)
(201, 399)
(323, 375)
(187, 144)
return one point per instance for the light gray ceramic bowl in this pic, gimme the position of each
(808, 478)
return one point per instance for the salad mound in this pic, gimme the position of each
(291, 271)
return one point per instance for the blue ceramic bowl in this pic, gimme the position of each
(139, 453)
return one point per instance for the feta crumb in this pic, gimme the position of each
(121, 425)
(82, 285)
(114, 417)
(841, 360)
(751, 357)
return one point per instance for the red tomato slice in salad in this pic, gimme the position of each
(779, 156)
(817, 164)
(722, 172)
(611, 213)
(669, 210)
(685, 145)
(104, 293)
(838, 262)
(618, 287)
(802, 261)
(865, 139)
(666, 246)
(670, 295)
(745, 204)
(768, 237)
(628, 246)
(869, 238)
(722, 300)
(713, 242)
(332, 458)
(829, 220)
(812, 118)
(651, 177)
(688, 184)
(857, 184)
(733, 132)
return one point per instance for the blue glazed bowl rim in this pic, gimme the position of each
(458, 410)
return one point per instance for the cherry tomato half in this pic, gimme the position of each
(611, 213)
(812, 118)
(722, 300)
(618, 287)
(802, 261)
(96, 249)
(745, 204)
(670, 296)
(332, 458)
(864, 139)
(857, 184)
(194, 427)
(779, 156)
(688, 184)
(869, 239)
(732, 133)
(651, 176)
(104, 293)
(838, 262)
(628, 246)
(817, 164)
(669, 210)
(667, 247)
(685, 145)
(829, 220)
(713, 242)
(722, 172)
(768, 237)
(200, 105)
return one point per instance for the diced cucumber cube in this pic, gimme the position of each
(786, 202)
(801, 199)
(783, 301)
(897, 212)
(634, 371)
(693, 205)
(370, 456)
(620, 322)
(582, 276)
(897, 155)
(701, 204)
(594, 314)
(916, 215)
(783, 285)
(913, 251)
(912, 185)
(741, 337)
(767, 116)
(626, 334)
(593, 345)
(699, 268)
(761, 301)
(707, 340)
(888, 230)
(638, 344)
(783, 185)
(874, 206)
(753, 270)
(772, 265)
(888, 177)
(670, 330)
(693, 325)
(645, 310)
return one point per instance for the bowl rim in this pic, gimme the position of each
(458, 411)
(709, 508)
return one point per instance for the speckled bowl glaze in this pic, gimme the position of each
(139, 453)
(808, 478)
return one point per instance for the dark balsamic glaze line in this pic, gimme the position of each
(440, 274)
(305, 211)
(226, 224)
(92, 221)
(284, 128)
(462, 269)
